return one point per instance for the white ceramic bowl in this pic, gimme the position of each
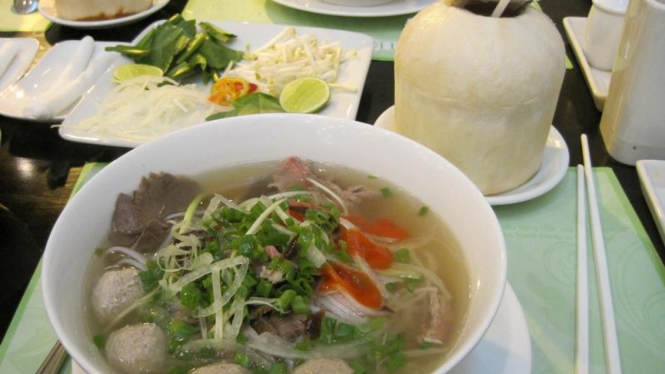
(86, 218)
(357, 2)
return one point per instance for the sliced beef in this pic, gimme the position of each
(158, 196)
(287, 326)
(152, 236)
(437, 327)
(295, 172)
(356, 194)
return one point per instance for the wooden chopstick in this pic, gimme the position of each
(610, 341)
(582, 315)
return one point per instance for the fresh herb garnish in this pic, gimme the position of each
(177, 49)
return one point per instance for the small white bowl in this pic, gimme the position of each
(437, 183)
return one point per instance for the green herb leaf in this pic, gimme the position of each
(254, 103)
(191, 296)
(218, 33)
(218, 55)
(151, 276)
(423, 210)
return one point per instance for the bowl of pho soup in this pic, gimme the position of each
(275, 244)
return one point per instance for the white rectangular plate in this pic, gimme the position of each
(26, 50)
(652, 178)
(597, 80)
(16, 97)
(342, 104)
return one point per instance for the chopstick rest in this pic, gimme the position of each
(610, 341)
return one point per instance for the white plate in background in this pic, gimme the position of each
(552, 169)
(597, 80)
(393, 8)
(342, 104)
(652, 179)
(15, 98)
(47, 9)
(26, 51)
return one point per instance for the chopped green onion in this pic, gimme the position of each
(358, 367)
(285, 300)
(99, 341)
(423, 210)
(373, 176)
(386, 192)
(241, 339)
(178, 370)
(304, 345)
(191, 210)
(395, 362)
(264, 288)
(278, 368)
(299, 306)
(391, 287)
(345, 332)
(242, 360)
(403, 255)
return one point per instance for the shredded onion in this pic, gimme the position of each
(144, 108)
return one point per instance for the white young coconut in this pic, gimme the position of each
(481, 91)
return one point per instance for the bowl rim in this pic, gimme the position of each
(50, 294)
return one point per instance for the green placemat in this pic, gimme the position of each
(12, 21)
(540, 235)
(541, 239)
(384, 30)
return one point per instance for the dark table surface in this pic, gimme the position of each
(38, 169)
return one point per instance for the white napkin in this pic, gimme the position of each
(79, 74)
(52, 102)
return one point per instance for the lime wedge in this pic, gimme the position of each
(126, 72)
(305, 95)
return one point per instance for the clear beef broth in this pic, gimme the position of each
(442, 256)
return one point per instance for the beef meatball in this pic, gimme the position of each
(324, 365)
(222, 368)
(114, 292)
(137, 349)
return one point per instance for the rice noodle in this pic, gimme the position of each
(364, 267)
(331, 303)
(412, 353)
(129, 252)
(275, 346)
(428, 274)
(327, 190)
(132, 262)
